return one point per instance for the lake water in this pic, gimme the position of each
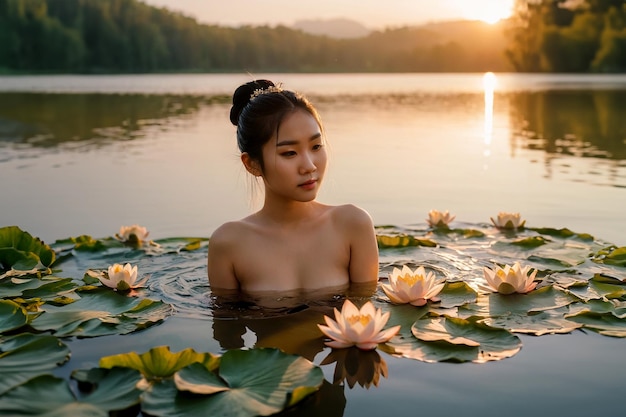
(98, 152)
(87, 154)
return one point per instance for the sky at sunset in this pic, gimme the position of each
(375, 14)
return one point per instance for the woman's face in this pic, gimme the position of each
(295, 161)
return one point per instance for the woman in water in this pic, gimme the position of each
(293, 243)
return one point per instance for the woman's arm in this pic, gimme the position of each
(363, 246)
(221, 269)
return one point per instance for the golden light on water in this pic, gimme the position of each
(489, 86)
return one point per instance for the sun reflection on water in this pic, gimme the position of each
(489, 86)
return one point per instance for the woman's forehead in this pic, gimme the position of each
(297, 126)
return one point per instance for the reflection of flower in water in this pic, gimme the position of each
(356, 366)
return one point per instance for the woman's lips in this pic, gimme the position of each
(308, 185)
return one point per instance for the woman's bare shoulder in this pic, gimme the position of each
(229, 232)
(352, 215)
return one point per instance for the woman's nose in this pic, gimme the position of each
(307, 163)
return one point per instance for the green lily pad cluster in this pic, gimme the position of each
(159, 383)
(38, 309)
(582, 287)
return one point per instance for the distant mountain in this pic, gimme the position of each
(334, 28)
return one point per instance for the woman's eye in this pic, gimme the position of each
(288, 153)
(317, 146)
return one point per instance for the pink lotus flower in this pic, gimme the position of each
(438, 219)
(357, 327)
(508, 221)
(133, 234)
(121, 278)
(415, 287)
(509, 280)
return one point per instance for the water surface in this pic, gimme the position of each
(98, 152)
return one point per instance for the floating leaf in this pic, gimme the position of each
(606, 324)
(530, 242)
(100, 312)
(251, 383)
(159, 362)
(182, 244)
(26, 355)
(86, 243)
(20, 250)
(402, 241)
(46, 288)
(564, 233)
(403, 314)
(455, 340)
(554, 262)
(12, 316)
(51, 396)
(600, 287)
(611, 256)
(496, 305)
(456, 294)
(538, 324)
(468, 233)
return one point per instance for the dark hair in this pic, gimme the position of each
(258, 118)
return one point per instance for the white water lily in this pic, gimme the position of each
(437, 218)
(510, 279)
(362, 327)
(508, 221)
(133, 234)
(414, 287)
(121, 278)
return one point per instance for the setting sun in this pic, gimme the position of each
(489, 11)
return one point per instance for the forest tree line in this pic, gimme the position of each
(128, 36)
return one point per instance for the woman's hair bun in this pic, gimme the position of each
(241, 97)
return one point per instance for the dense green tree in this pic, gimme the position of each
(567, 36)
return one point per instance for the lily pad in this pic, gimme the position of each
(99, 312)
(51, 396)
(496, 305)
(26, 356)
(182, 244)
(449, 339)
(159, 362)
(530, 242)
(402, 241)
(20, 250)
(562, 233)
(600, 288)
(611, 256)
(248, 383)
(606, 324)
(539, 324)
(456, 294)
(46, 287)
(12, 316)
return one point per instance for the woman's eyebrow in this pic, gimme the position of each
(289, 142)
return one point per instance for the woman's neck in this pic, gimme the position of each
(282, 212)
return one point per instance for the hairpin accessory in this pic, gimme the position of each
(268, 90)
